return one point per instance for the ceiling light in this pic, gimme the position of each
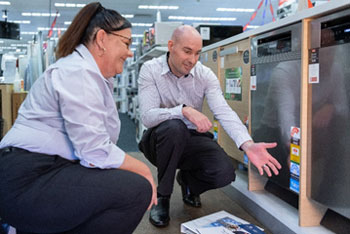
(20, 45)
(141, 25)
(20, 21)
(128, 16)
(137, 35)
(47, 29)
(29, 33)
(5, 3)
(67, 22)
(57, 4)
(40, 14)
(193, 18)
(235, 9)
(154, 7)
(253, 26)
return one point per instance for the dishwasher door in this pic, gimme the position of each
(275, 103)
(330, 162)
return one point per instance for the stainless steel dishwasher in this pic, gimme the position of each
(330, 162)
(275, 98)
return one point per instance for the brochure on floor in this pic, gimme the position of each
(220, 222)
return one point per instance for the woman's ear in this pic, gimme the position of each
(101, 36)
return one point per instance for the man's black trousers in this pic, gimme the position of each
(203, 163)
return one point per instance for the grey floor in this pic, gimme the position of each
(212, 201)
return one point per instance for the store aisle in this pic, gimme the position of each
(127, 136)
(212, 201)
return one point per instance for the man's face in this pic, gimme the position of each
(184, 54)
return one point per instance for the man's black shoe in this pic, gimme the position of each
(159, 215)
(187, 197)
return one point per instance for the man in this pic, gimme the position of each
(171, 93)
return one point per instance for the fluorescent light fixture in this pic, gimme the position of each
(47, 29)
(141, 25)
(253, 26)
(154, 7)
(137, 35)
(128, 16)
(193, 18)
(5, 3)
(37, 14)
(1, 42)
(67, 22)
(236, 9)
(20, 21)
(57, 4)
(133, 49)
(29, 33)
(20, 45)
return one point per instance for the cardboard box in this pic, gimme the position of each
(6, 105)
(17, 99)
(235, 84)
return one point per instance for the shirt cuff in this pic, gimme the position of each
(177, 112)
(114, 160)
(240, 140)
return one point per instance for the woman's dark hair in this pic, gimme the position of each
(85, 25)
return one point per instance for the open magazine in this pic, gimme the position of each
(220, 222)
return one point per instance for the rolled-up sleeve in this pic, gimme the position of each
(85, 113)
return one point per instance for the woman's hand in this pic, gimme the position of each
(138, 167)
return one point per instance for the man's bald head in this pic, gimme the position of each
(184, 48)
(183, 32)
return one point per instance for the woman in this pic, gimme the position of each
(60, 168)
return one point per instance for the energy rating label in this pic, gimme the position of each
(294, 159)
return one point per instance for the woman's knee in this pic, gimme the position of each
(144, 192)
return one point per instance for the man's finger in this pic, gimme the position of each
(270, 145)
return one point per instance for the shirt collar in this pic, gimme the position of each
(84, 52)
(166, 68)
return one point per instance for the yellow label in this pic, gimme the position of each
(295, 153)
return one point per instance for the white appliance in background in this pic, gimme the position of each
(8, 65)
(163, 31)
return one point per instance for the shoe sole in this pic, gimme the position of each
(159, 225)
